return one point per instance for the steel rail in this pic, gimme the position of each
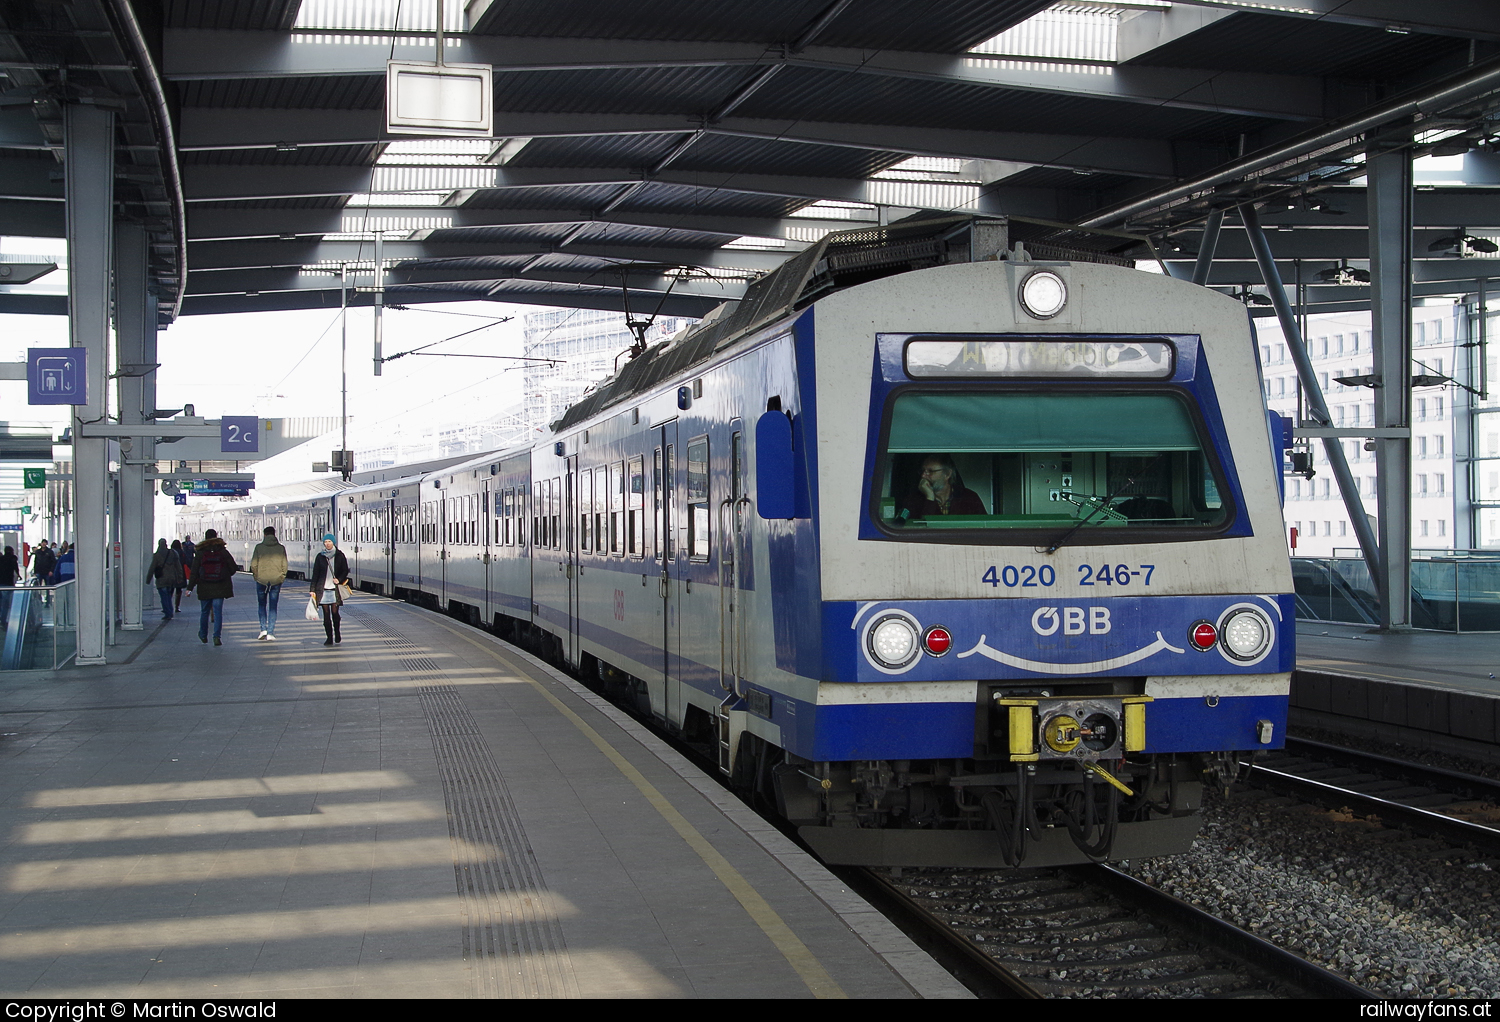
(1449, 828)
(1225, 936)
(1455, 781)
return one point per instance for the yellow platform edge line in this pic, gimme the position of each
(797, 954)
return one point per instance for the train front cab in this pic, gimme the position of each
(1048, 681)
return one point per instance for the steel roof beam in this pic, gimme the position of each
(1468, 19)
(285, 279)
(220, 183)
(231, 255)
(230, 223)
(212, 128)
(283, 301)
(209, 55)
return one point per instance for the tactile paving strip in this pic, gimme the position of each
(511, 933)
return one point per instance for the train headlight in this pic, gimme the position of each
(1245, 633)
(1043, 294)
(892, 642)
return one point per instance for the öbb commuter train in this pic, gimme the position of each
(1040, 662)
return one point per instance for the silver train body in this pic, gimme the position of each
(731, 537)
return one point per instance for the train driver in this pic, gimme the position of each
(940, 491)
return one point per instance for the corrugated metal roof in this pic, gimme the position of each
(944, 26)
(544, 197)
(700, 201)
(596, 150)
(231, 14)
(665, 90)
(329, 92)
(303, 156)
(1268, 44)
(770, 156)
(826, 96)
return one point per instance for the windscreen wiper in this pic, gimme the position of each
(1099, 505)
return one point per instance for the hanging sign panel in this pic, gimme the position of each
(446, 100)
(56, 376)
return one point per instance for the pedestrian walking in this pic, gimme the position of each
(189, 559)
(67, 568)
(213, 582)
(165, 573)
(268, 568)
(182, 583)
(330, 575)
(10, 574)
(43, 563)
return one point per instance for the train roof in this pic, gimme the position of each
(841, 260)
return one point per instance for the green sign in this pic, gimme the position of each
(36, 478)
(26, 509)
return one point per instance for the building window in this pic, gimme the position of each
(1440, 480)
(1424, 527)
(1422, 485)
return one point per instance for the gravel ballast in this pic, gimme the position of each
(1401, 916)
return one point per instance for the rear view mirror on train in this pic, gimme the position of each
(775, 479)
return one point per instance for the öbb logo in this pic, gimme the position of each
(1072, 620)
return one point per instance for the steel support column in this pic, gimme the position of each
(135, 320)
(89, 177)
(1207, 246)
(1390, 199)
(1317, 407)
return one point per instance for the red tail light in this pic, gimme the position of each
(1204, 635)
(937, 640)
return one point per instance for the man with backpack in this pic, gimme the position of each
(213, 582)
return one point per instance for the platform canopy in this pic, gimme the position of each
(678, 148)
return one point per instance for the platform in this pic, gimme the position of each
(422, 811)
(1467, 661)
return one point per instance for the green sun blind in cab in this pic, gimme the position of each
(957, 423)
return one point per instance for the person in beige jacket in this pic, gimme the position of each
(268, 568)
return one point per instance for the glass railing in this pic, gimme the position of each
(38, 627)
(1456, 592)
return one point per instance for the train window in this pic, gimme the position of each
(616, 506)
(635, 497)
(669, 502)
(585, 510)
(1045, 460)
(698, 499)
(601, 491)
(554, 510)
(656, 501)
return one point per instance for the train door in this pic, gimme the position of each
(570, 539)
(674, 561)
(733, 568)
(486, 539)
(734, 560)
(447, 521)
(386, 540)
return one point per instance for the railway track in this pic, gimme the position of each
(1091, 931)
(1459, 808)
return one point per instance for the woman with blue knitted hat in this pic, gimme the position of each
(330, 572)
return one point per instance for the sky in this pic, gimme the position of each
(283, 364)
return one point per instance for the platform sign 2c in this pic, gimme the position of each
(239, 434)
(57, 376)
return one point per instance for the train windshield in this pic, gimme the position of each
(1046, 460)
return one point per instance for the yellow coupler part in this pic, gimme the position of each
(1022, 723)
(1135, 723)
(1111, 778)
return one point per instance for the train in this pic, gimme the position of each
(949, 551)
